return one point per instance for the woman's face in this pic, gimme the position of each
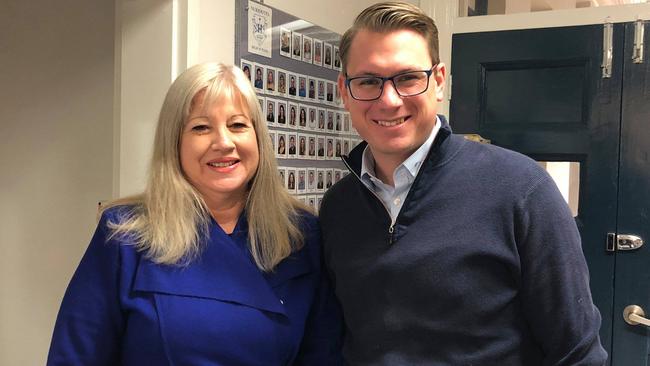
(281, 111)
(218, 149)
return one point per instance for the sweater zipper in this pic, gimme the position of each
(391, 229)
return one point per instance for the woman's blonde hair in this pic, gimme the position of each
(170, 220)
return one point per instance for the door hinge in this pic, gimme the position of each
(608, 48)
(637, 51)
(623, 242)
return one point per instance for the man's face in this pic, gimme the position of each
(393, 126)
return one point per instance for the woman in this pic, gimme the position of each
(270, 80)
(282, 145)
(302, 146)
(282, 83)
(214, 263)
(270, 113)
(292, 181)
(302, 119)
(292, 116)
(281, 114)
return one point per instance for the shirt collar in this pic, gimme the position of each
(412, 163)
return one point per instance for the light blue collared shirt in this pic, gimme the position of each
(403, 176)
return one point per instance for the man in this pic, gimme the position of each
(258, 78)
(312, 89)
(302, 91)
(270, 114)
(301, 180)
(292, 145)
(312, 146)
(292, 85)
(444, 251)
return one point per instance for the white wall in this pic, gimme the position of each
(56, 97)
(336, 16)
(144, 74)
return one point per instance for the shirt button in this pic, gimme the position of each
(397, 201)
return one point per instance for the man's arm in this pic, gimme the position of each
(556, 297)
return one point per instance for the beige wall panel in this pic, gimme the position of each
(56, 88)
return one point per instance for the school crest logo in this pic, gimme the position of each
(260, 25)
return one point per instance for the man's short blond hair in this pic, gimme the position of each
(391, 16)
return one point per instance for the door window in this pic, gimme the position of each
(566, 175)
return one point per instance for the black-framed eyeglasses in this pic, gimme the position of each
(407, 84)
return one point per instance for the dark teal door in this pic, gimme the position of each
(632, 276)
(542, 92)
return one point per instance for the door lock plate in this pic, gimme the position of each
(623, 242)
(628, 242)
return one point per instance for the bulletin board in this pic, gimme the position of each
(293, 66)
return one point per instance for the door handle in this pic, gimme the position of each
(634, 315)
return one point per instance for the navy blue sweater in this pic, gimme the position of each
(483, 266)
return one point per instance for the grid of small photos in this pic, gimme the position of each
(305, 116)
(301, 47)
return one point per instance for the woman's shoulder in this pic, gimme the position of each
(118, 213)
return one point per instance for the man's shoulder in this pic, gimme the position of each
(496, 160)
(342, 191)
(496, 168)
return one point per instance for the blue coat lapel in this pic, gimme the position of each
(224, 271)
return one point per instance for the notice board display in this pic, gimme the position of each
(293, 66)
